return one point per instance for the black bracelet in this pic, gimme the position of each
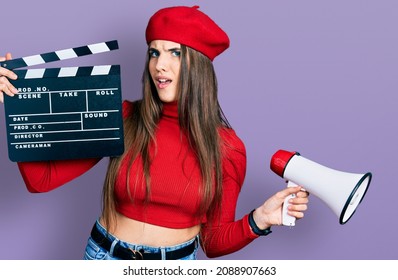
(255, 228)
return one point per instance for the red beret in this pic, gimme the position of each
(188, 26)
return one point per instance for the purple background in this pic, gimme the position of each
(318, 77)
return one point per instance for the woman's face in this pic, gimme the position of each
(164, 67)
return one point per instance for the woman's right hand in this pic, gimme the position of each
(5, 85)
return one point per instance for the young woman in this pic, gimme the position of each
(177, 184)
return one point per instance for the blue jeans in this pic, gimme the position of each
(96, 252)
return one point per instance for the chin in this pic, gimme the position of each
(167, 99)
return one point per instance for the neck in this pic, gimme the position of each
(170, 109)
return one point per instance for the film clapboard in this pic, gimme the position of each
(64, 113)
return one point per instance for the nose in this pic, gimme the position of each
(161, 63)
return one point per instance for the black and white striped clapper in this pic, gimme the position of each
(67, 112)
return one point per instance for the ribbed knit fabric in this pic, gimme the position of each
(175, 180)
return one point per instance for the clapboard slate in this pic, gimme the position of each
(65, 113)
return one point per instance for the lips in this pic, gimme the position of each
(163, 82)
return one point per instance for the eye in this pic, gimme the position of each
(153, 53)
(176, 53)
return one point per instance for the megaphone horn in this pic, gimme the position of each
(341, 191)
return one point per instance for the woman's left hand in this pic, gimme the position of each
(270, 213)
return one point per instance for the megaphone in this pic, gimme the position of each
(341, 191)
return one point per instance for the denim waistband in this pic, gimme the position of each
(142, 248)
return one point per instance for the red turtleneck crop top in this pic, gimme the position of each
(175, 176)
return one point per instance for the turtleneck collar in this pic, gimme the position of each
(170, 109)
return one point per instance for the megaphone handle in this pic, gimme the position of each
(288, 220)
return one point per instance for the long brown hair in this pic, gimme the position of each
(200, 117)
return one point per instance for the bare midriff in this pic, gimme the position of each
(136, 232)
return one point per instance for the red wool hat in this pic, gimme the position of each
(188, 26)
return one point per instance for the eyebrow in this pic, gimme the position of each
(169, 50)
(174, 49)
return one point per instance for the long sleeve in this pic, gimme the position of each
(44, 176)
(223, 235)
